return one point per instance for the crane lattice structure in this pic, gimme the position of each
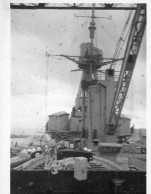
(72, 6)
(130, 57)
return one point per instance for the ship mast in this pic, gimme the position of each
(92, 29)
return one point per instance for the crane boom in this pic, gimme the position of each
(128, 64)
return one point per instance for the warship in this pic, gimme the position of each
(89, 152)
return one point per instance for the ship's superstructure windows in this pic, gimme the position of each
(110, 72)
(110, 150)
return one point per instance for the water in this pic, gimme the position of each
(27, 140)
(22, 141)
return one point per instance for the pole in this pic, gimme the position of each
(92, 29)
(46, 89)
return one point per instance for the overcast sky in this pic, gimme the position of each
(35, 32)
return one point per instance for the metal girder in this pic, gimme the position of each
(131, 53)
(68, 6)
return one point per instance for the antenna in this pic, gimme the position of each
(92, 29)
(90, 62)
(46, 88)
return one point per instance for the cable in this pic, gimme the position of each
(122, 39)
(71, 35)
(132, 100)
(42, 138)
(46, 88)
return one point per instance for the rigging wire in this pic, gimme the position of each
(75, 38)
(122, 39)
(46, 86)
(71, 35)
(47, 65)
(102, 26)
(82, 25)
(121, 48)
(132, 99)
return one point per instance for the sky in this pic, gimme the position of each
(35, 32)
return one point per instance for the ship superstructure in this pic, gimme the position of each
(88, 158)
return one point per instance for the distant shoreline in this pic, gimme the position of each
(19, 136)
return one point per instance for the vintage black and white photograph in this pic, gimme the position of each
(78, 98)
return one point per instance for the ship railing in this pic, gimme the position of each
(100, 75)
(108, 164)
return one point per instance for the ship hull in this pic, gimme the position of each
(98, 181)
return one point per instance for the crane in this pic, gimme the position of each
(130, 57)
